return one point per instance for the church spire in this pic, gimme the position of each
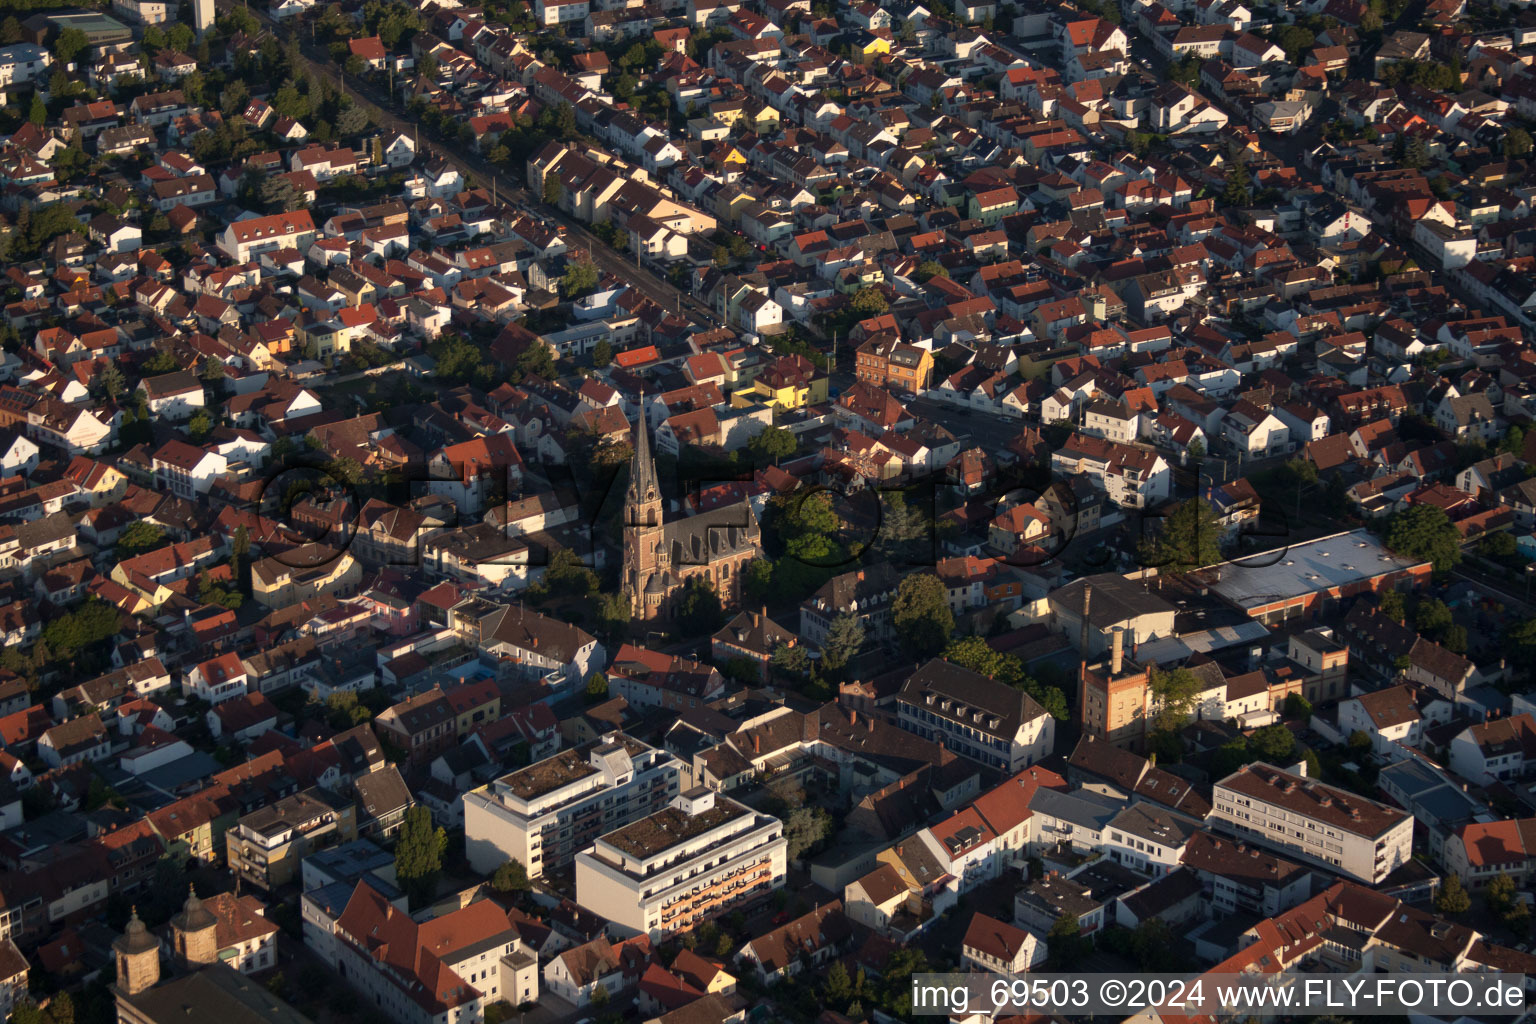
(642, 471)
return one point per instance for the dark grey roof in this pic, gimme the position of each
(960, 695)
(382, 792)
(216, 993)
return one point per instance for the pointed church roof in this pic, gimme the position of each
(642, 470)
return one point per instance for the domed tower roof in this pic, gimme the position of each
(136, 938)
(194, 917)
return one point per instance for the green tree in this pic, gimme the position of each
(613, 615)
(553, 190)
(597, 688)
(419, 850)
(1500, 894)
(868, 302)
(278, 195)
(568, 574)
(38, 114)
(138, 537)
(757, 582)
(837, 986)
(1513, 441)
(804, 828)
(1273, 743)
(1153, 945)
(199, 426)
(929, 269)
(28, 1013)
(844, 638)
(1238, 190)
(351, 121)
(1174, 693)
(1065, 943)
(1393, 606)
(976, 654)
(1294, 40)
(1499, 545)
(160, 362)
(1425, 532)
(511, 877)
(1517, 143)
(1452, 898)
(1432, 617)
(110, 381)
(61, 1008)
(1229, 758)
(1454, 639)
(773, 444)
(921, 614)
(346, 709)
(699, 609)
(1190, 537)
(94, 621)
(535, 361)
(790, 659)
(1196, 448)
(580, 279)
(602, 354)
(1298, 707)
(70, 44)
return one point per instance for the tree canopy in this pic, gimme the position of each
(844, 638)
(1425, 532)
(1189, 538)
(1174, 693)
(921, 614)
(511, 877)
(419, 850)
(974, 653)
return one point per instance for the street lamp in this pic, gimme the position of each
(1530, 567)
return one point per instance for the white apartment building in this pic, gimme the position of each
(1303, 818)
(22, 63)
(672, 870)
(185, 470)
(975, 716)
(246, 938)
(1131, 475)
(543, 814)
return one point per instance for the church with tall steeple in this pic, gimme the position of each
(661, 557)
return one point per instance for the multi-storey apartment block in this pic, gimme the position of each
(267, 845)
(688, 862)
(975, 716)
(1303, 818)
(543, 814)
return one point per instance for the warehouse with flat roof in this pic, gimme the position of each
(1303, 580)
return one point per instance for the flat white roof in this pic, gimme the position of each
(1290, 572)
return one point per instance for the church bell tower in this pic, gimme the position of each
(137, 952)
(645, 570)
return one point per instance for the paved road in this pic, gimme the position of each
(988, 432)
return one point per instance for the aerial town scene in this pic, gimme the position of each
(719, 511)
